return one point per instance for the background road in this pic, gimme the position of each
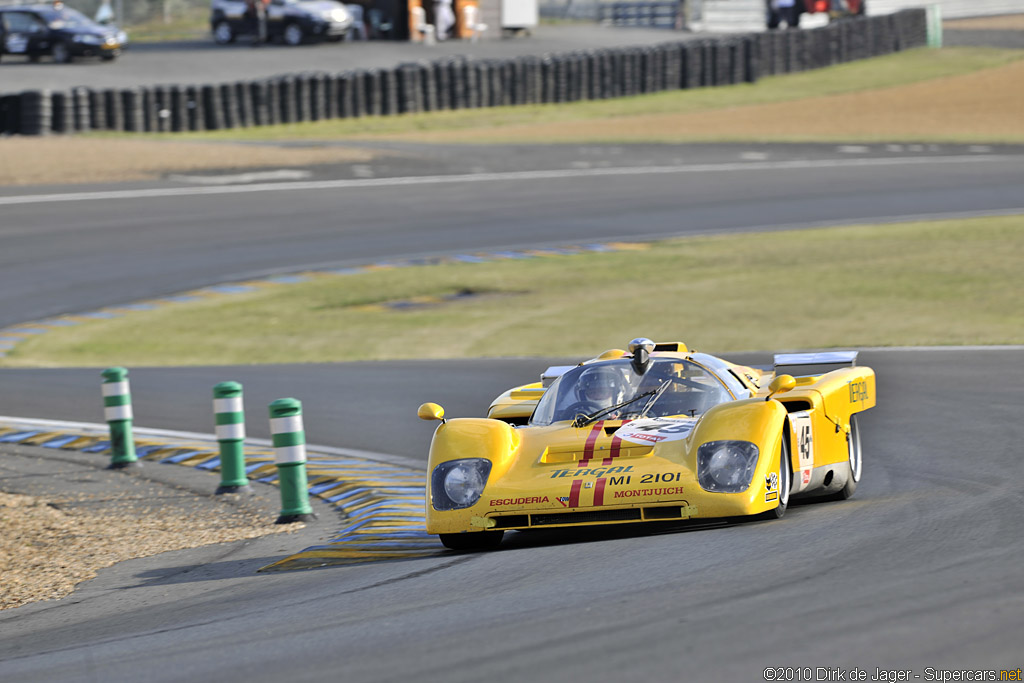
(73, 256)
(204, 61)
(920, 569)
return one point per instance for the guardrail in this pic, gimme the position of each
(460, 83)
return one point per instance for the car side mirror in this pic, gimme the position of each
(431, 411)
(781, 385)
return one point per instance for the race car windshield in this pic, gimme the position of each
(589, 390)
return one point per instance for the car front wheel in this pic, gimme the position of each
(293, 34)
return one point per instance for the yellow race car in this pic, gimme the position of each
(653, 433)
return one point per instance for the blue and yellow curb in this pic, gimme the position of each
(11, 336)
(381, 503)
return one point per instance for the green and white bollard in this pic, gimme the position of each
(117, 411)
(290, 457)
(229, 417)
(934, 23)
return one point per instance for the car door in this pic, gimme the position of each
(24, 34)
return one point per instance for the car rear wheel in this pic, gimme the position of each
(61, 53)
(855, 463)
(482, 540)
(293, 34)
(223, 33)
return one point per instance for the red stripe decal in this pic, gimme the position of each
(588, 450)
(574, 493)
(599, 492)
(616, 443)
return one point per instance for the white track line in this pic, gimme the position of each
(492, 177)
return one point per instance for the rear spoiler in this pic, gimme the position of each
(812, 364)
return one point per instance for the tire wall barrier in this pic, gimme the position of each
(460, 82)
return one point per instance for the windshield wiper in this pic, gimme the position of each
(657, 394)
(584, 420)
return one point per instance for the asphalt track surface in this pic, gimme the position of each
(922, 568)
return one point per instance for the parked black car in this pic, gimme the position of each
(63, 33)
(292, 21)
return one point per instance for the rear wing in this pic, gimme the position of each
(813, 364)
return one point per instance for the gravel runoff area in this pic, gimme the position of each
(64, 517)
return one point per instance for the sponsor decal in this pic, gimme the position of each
(805, 477)
(771, 487)
(656, 430)
(496, 502)
(638, 493)
(592, 472)
(573, 499)
(17, 43)
(858, 391)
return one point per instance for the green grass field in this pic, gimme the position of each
(941, 283)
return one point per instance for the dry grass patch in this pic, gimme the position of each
(986, 106)
(34, 161)
(1006, 22)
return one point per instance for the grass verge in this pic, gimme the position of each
(931, 283)
(663, 116)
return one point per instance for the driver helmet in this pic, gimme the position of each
(600, 386)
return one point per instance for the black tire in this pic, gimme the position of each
(293, 35)
(785, 475)
(223, 33)
(474, 542)
(61, 53)
(855, 464)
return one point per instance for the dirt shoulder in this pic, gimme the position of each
(63, 517)
(58, 160)
(1005, 22)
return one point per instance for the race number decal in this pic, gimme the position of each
(801, 422)
(655, 430)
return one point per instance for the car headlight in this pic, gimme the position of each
(339, 15)
(726, 466)
(88, 39)
(458, 484)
